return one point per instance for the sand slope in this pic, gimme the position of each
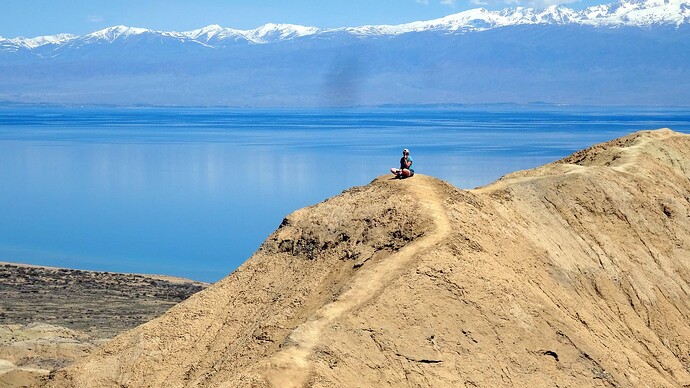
(576, 273)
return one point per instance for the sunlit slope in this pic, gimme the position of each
(572, 274)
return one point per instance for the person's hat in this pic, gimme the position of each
(406, 150)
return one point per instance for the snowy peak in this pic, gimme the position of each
(111, 34)
(32, 43)
(558, 14)
(626, 12)
(623, 13)
(210, 30)
(213, 33)
(482, 19)
(274, 32)
(265, 34)
(637, 13)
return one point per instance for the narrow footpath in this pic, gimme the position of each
(291, 367)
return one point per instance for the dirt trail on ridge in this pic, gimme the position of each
(290, 367)
(575, 273)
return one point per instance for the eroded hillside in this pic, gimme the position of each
(576, 273)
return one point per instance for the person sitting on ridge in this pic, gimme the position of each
(405, 170)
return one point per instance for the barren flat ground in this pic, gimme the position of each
(100, 304)
(51, 317)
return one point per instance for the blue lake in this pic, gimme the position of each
(193, 191)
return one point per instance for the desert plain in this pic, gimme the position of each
(50, 317)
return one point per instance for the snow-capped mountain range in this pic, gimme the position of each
(635, 13)
(632, 52)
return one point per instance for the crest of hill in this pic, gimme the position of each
(576, 273)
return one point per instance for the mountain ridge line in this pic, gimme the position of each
(616, 14)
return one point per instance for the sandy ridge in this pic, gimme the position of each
(575, 273)
(291, 367)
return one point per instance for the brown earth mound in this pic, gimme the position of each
(573, 274)
(30, 352)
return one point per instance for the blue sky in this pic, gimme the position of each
(30, 18)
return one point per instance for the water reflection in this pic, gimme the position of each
(192, 192)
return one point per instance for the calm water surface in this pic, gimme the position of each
(193, 192)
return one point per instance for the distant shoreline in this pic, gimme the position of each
(51, 317)
(424, 106)
(101, 304)
(168, 278)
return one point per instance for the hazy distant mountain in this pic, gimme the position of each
(631, 52)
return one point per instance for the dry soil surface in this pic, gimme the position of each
(50, 317)
(574, 274)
